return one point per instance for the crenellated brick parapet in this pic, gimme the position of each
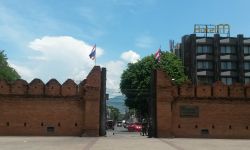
(37, 87)
(207, 111)
(218, 89)
(186, 90)
(51, 109)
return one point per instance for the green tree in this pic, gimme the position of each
(135, 80)
(6, 72)
(114, 113)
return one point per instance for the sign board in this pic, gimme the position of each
(208, 28)
(189, 111)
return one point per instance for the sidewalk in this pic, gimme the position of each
(132, 141)
(119, 141)
(129, 142)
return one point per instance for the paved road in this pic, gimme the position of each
(121, 140)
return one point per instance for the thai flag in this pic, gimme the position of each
(93, 53)
(158, 55)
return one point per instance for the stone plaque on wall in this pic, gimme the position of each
(189, 111)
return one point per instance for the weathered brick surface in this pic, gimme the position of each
(4, 87)
(29, 109)
(32, 116)
(203, 91)
(187, 90)
(247, 88)
(216, 116)
(69, 88)
(223, 112)
(19, 87)
(236, 90)
(220, 90)
(53, 88)
(164, 98)
(92, 91)
(36, 87)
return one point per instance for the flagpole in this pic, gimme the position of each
(95, 54)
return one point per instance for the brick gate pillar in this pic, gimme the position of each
(164, 98)
(92, 89)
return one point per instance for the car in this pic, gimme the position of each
(134, 127)
(119, 124)
(125, 125)
(110, 124)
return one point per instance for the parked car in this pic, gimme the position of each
(110, 124)
(134, 127)
(125, 125)
(119, 124)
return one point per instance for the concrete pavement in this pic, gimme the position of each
(121, 140)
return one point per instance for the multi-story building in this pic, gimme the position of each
(208, 59)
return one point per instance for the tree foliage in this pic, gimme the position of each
(114, 113)
(135, 80)
(6, 72)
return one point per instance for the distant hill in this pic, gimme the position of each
(117, 102)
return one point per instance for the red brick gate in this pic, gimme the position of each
(52, 109)
(217, 111)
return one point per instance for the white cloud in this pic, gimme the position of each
(130, 56)
(63, 57)
(114, 71)
(145, 42)
(25, 72)
(41, 58)
(59, 57)
(62, 45)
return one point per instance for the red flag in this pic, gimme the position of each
(158, 55)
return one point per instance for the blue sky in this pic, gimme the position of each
(52, 38)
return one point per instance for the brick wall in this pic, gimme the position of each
(51, 109)
(221, 118)
(163, 105)
(217, 111)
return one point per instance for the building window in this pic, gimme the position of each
(227, 50)
(247, 80)
(228, 65)
(204, 65)
(246, 49)
(247, 65)
(204, 49)
(227, 80)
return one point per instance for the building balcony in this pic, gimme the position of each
(247, 57)
(204, 57)
(246, 41)
(247, 74)
(228, 41)
(205, 73)
(228, 57)
(204, 41)
(229, 73)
